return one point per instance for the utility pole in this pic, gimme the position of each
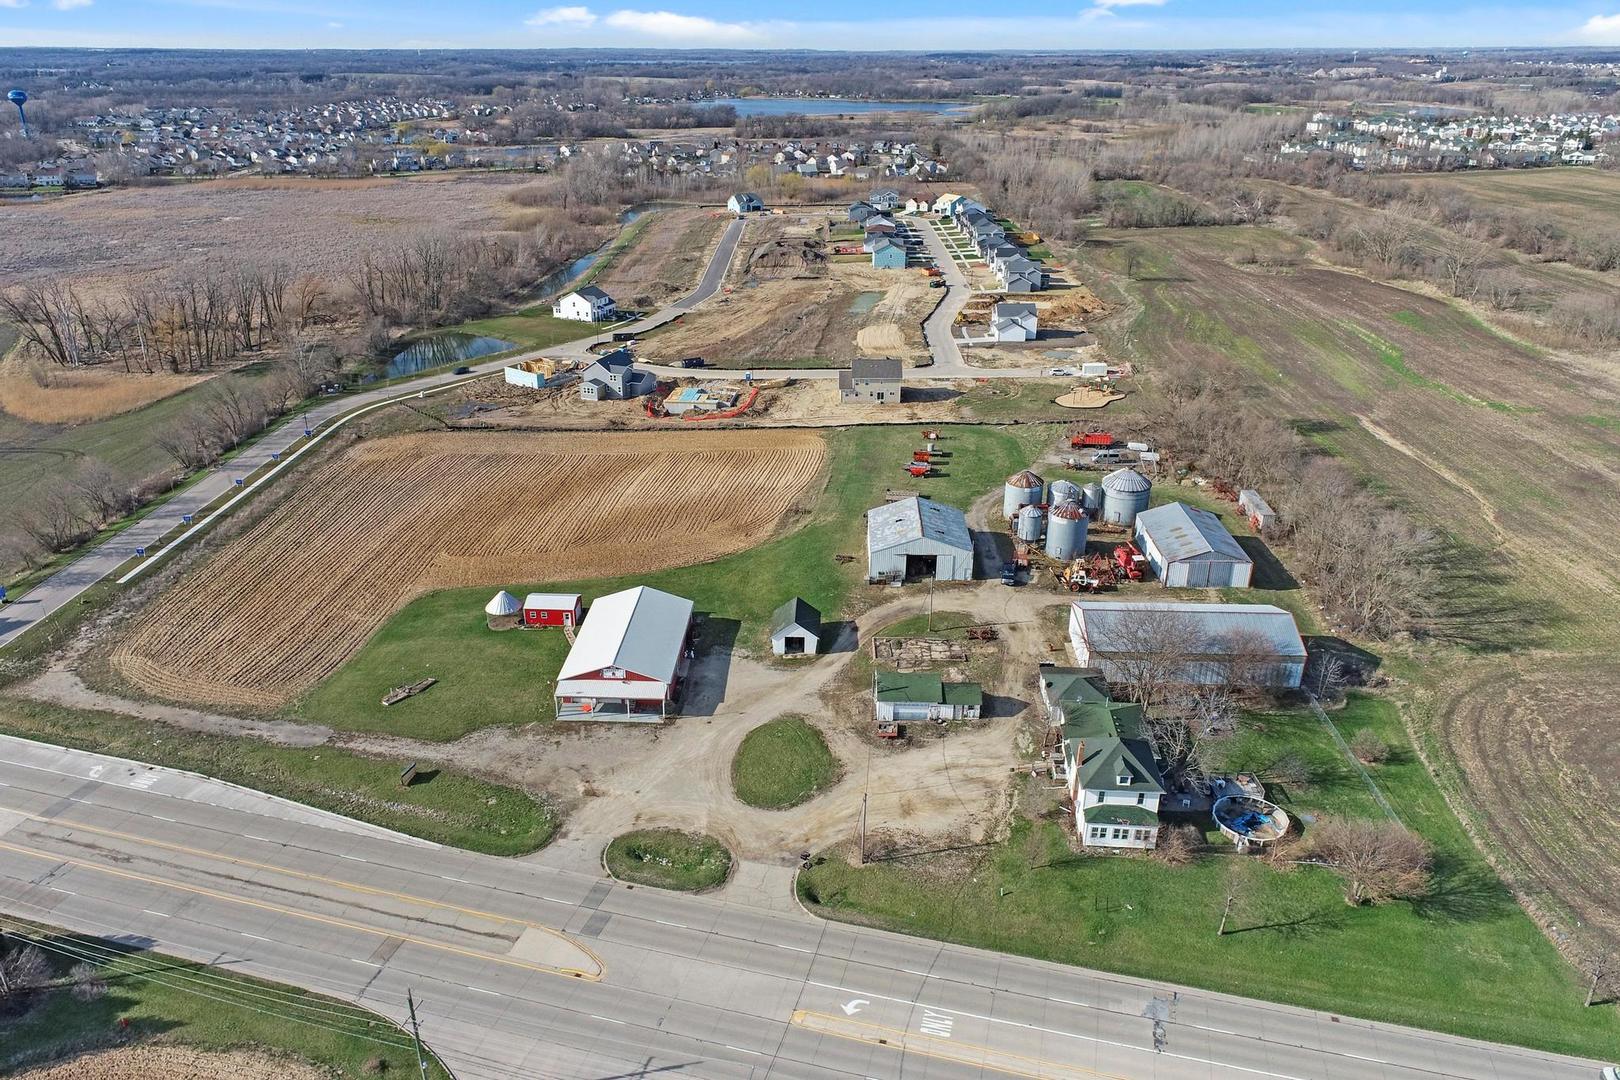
(416, 1035)
(863, 828)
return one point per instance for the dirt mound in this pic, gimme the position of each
(1077, 303)
(292, 597)
(176, 1063)
(880, 339)
(788, 256)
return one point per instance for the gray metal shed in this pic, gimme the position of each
(917, 537)
(796, 629)
(1190, 548)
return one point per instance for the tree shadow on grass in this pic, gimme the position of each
(1300, 924)
(1269, 571)
(1463, 891)
(1474, 608)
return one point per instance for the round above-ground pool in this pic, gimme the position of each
(1247, 819)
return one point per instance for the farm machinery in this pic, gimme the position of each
(1131, 563)
(1091, 440)
(918, 468)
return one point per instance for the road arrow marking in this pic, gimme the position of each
(853, 1006)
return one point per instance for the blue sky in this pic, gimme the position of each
(835, 24)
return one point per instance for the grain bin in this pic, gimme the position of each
(1125, 494)
(1092, 498)
(1066, 531)
(1022, 489)
(1063, 491)
(1030, 521)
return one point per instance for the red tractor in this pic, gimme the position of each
(1132, 564)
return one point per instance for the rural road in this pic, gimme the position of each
(520, 970)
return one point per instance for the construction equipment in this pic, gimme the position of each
(1131, 562)
(1091, 440)
(918, 468)
(1087, 574)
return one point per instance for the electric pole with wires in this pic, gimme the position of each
(416, 1035)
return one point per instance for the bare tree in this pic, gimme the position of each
(104, 494)
(1368, 747)
(1378, 860)
(192, 441)
(23, 969)
(1178, 845)
(236, 410)
(88, 982)
(1151, 650)
(1602, 967)
(54, 518)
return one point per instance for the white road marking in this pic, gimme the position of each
(666, 922)
(481, 990)
(159, 914)
(255, 937)
(554, 900)
(353, 858)
(260, 839)
(793, 948)
(609, 1019)
(924, 974)
(160, 817)
(368, 963)
(742, 1050)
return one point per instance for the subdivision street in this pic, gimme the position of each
(522, 970)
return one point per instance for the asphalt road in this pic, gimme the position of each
(521, 970)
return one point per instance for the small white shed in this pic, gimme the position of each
(796, 629)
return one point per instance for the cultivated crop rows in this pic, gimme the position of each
(285, 603)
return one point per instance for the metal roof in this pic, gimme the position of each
(1126, 482)
(1214, 622)
(1026, 479)
(916, 518)
(551, 601)
(796, 612)
(502, 603)
(875, 369)
(640, 630)
(1183, 532)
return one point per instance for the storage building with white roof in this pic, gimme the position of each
(917, 537)
(1110, 634)
(1190, 548)
(629, 658)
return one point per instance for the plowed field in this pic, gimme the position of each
(287, 601)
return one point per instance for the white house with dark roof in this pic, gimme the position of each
(1010, 321)
(588, 304)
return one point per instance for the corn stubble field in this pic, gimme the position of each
(389, 519)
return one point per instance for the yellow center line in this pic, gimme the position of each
(933, 1046)
(574, 973)
(321, 878)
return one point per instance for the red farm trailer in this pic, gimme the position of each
(1091, 440)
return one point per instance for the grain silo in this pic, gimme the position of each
(1092, 498)
(1066, 531)
(1030, 520)
(1062, 491)
(1022, 489)
(1125, 494)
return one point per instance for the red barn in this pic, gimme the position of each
(552, 609)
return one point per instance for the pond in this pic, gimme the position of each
(441, 350)
(864, 302)
(555, 281)
(768, 106)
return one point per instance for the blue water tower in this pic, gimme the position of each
(19, 98)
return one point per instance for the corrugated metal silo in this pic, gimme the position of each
(1125, 494)
(1062, 491)
(1030, 520)
(1022, 488)
(1066, 531)
(1092, 498)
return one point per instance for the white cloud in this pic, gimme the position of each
(334, 26)
(1600, 30)
(691, 28)
(563, 16)
(1128, 3)
(13, 3)
(69, 5)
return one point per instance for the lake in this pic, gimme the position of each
(441, 350)
(768, 106)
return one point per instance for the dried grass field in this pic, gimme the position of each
(313, 226)
(293, 596)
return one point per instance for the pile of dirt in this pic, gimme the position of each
(788, 257)
(1071, 305)
(177, 1063)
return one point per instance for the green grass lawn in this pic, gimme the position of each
(532, 328)
(443, 806)
(782, 763)
(950, 625)
(669, 859)
(488, 678)
(1465, 959)
(178, 1001)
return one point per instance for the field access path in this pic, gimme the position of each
(523, 970)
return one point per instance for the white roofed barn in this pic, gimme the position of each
(628, 659)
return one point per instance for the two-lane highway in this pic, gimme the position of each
(526, 971)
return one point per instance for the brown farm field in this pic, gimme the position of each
(1575, 197)
(312, 226)
(287, 601)
(1511, 452)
